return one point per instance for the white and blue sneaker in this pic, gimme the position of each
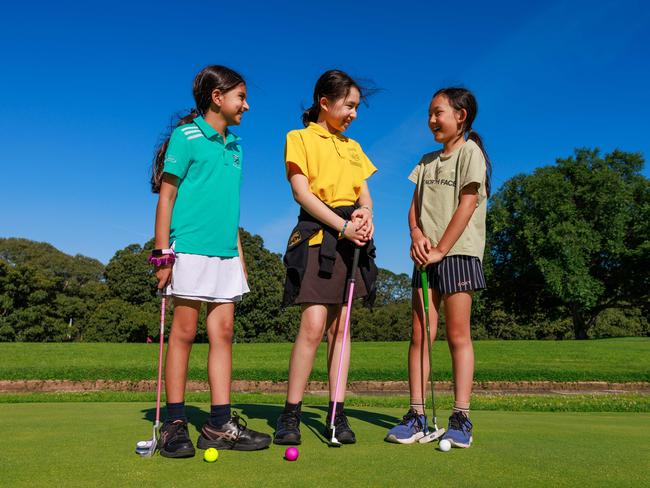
(459, 431)
(412, 428)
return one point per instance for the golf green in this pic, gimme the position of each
(92, 444)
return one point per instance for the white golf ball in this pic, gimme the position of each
(444, 445)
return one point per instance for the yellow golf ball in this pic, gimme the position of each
(210, 455)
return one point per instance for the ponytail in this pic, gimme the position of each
(310, 115)
(210, 78)
(159, 156)
(473, 136)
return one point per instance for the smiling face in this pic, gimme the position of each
(445, 122)
(340, 113)
(232, 104)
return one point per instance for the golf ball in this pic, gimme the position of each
(210, 455)
(444, 445)
(291, 454)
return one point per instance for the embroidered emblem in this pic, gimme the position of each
(294, 239)
(355, 159)
(235, 160)
(170, 159)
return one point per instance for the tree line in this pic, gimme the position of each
(568, 256)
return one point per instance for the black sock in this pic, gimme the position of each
(176, 411)
(219, 414)
(339, 408)
(292, 407)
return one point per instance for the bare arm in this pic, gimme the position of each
(317, 209)
(420, 244)
(241, 254)
(466, 206)
(166, 199)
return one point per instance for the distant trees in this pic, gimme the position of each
(568, 256)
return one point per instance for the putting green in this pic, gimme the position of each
(92, 444)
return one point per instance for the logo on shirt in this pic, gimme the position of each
(236, 162)
(355, 158)
(170, 159)
(294, 239)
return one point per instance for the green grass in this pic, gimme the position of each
(533, 403)
(624, 360)
(91, 444)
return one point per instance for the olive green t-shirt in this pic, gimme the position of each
(439, 180)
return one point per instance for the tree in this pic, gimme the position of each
(573, 237)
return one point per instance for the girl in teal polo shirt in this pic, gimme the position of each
(197, 174)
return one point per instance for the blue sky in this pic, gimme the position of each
(87, 89)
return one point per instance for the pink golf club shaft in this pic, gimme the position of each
(160, 354)
(345, 333)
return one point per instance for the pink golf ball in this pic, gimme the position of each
(291, 454)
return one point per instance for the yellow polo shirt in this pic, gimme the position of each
(335, 166)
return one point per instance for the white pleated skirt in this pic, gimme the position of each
(207, 278)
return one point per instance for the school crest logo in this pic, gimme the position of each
(355, 158)
(236, 162)
(294, 239)
(170, 159)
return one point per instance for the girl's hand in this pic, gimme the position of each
(164, 275)
(420, 247)
(363, 217)
(435, 256)
(355, 235)
(366, 226)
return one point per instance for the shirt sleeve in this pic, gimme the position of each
(368, 168)
(472, 167)
(177, 156)
(294, 152)
(415, 174)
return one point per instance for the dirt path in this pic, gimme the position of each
(319, 387)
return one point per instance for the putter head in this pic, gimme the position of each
(432, 436)
(146, 448)
(334, 442)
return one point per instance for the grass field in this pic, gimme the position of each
(91, 444)
(621, 360)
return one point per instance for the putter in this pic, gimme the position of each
(437, 433)
(334, 442)
(148, 448)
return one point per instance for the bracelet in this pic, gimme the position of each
(367, 208)
(342, 233)
(165, 260)
(411, 229)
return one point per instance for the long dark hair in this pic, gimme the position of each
(210, 78)
(333, 84)
(463, 99)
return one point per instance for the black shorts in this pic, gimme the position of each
(452, 275)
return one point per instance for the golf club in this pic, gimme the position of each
(437, 433)
(334, 442)
(148, 448)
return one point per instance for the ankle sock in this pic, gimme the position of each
(462, 407)
(339, 408)
(417, 404)
(176, 411)
(292, 407)
(219, 414)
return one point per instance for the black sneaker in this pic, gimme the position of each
(175, 441)
(232, 435)
(287, 431)
(344, 433)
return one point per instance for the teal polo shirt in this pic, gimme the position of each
(205, 218)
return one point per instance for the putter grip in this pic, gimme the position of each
(425, 289)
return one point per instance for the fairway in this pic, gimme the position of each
(91, 444)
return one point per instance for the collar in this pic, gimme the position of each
(210, 133)
(323, 132)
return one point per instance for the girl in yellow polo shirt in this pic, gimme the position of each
(327, 172)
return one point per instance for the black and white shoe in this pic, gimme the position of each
(287, 430)
(344, 433)
(175, 440)
(232, 435)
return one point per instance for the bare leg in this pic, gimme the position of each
(310, 335)
(418, 351)
(181, 338)
(219, 325)
(458, 308)
(335, 326)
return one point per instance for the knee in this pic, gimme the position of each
(226, 330)
(182, 333)
(312, 333)
(458, 337)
